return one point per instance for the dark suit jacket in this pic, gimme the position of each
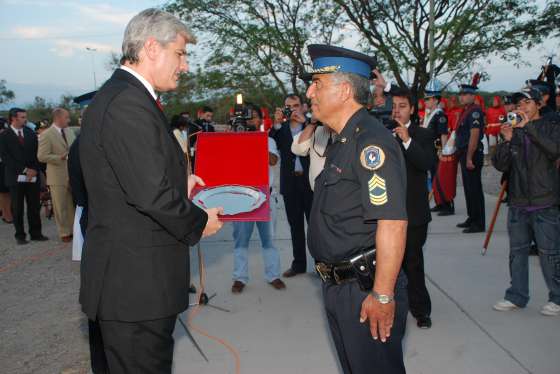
(77, 184)
(284, 139)
(419, 157)
(135, 263)
(17, 157)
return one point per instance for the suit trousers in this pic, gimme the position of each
(64, 209)
(472, 184)
(26, 194)
(144, 347)
(96, 349)
(413, 266)
(298, 209)
(357, 351)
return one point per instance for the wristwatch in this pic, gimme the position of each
(383, 299)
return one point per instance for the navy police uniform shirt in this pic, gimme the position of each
(474, 119)
(364, 180)
(438, 124)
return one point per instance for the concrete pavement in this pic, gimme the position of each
(286, 331)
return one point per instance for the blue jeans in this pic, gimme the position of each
(544, 227)
(242, 232)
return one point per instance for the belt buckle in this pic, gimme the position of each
(336, 276)
(322, 270)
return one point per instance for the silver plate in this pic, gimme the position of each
(234, 199)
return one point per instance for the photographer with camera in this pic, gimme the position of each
(313, 142)
(528, 153)
(294, 178)
(242, 231)
(206, 114)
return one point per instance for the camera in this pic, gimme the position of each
(287, 113)
(513, 118)
(385, 117)
(241, 114)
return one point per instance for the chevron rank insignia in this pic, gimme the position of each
(377, 190)
(372, 157)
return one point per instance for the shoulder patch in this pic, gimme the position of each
(476, 115)
(442, 119)
(372, 157)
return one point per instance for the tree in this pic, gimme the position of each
(547, 24)
(6, 95)
(464, 32)
(257, 45)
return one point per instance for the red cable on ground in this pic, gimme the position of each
(196, 310)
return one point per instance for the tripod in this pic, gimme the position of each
(203, 300)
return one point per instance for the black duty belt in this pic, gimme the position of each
(347, 271)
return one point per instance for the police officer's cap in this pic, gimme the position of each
(468, 89)
(433, 88)
(508, 99)
(330, 59)
(527, 93)
(543, 87)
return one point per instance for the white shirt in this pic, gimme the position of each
(314, 147)
(272, 148)
(405, 144)
(142, 80)
(17, 131)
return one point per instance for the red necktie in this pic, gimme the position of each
(20, 137)
(158, 102)
(64, 136)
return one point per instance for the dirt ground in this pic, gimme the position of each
(42, 330)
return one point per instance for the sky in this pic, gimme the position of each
(43, 44)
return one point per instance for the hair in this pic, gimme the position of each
(178, 121)
(58, 112)
(206, 109)
(293, 96)
(360, 86)
(403, 92)
(256, 109)
(162, 26)
(13, 112)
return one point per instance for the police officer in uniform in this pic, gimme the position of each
(436, 121)
(470, 151)
(358, 219)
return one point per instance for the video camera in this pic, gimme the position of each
(385, 117)
(241, 114)
(511, 118)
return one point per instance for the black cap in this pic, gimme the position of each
(542, 86)
(330, 59)
(527, 93)
(508, 99)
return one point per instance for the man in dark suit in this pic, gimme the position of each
(420, 155)
(294, 180)
(19, 153)
(135, 262)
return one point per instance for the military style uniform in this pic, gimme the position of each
(364, 180)
(472, 118)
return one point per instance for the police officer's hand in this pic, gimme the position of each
(470, 164)
(213, 225)
(192, 182)
(507, 132)
(402, 132)
(380, 316)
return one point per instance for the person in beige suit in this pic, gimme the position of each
(54, 144)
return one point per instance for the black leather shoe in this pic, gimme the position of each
(446, 212)
(291, 273)
(424, 322)
(41, 238)
(437, 208)
(473, 230)
(464, 225)
(21, 241)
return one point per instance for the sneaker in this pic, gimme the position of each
(505, 306)
(550, 309)
(237, 287)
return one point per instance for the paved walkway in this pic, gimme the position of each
(286, 332)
